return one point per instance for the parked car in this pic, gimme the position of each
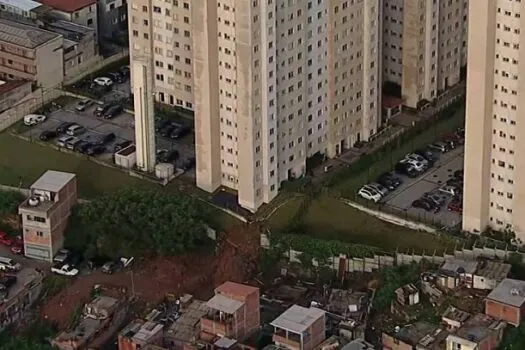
(96, 150)
(113, 111)
(456, 205)
(75, 130)
(416, 158)
(458, 174)
(440, 147)
(389, 180)
(378, 187)
(62, 256)
(72, 143)
(166, 132)
(458, 183)
(63, 140)
(103, 139)
(116, 77)
(166, 156)
(450, 190)
(103, 81)
(425, 204)
(34, 119)
(124, 70)
(83, 105)
(428, 155)
(17, 248)
(111, 267)
(162, 124)
(48, 135)
(188, 164)
(406, 169)
(122, 145)
(369, 194)
(451, 143)
(8, 264)
(64, 270)
(83, 146)
(5, 239)
(436, 198)
(179, 132)
(64, 126)
(100, 110)
(417, 165)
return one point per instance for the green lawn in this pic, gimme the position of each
(24, 161)
(386, 160)
(281, 217)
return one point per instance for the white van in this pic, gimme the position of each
(33, 119)
(8, 264)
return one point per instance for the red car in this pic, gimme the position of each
(456, 206)
(5, 239)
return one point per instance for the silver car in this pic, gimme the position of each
(62, 140)
(75, 130)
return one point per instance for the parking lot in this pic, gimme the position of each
(122, 126)
(414, 188)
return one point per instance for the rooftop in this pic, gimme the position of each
(141, 331)
(358, 344)
(26, 279)
(414, 333)
(24, 35)
(69, 30)
(455, 314)
(186, 327)
(223, 303)
(232, 288)
(476, 329)
(493, 270)
(455, 265)
(68, 5)
(52, 180)
(510, 292)
(225, 343)
(24, 5)
(347, 303)
(9, 85)
(297, 318)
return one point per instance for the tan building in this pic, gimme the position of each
(424, 46)
(494, 193)
(45, 213)
(299, 328)
(271, 83)
(29, 53)
(480, 332)
(12, 92)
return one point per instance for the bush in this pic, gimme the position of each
(9, 201)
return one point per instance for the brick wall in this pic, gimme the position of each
(502, 312)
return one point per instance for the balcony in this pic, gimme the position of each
(217, 327)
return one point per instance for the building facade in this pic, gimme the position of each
(271, 83)
(30, 53)
(494, 194)
(112, 18)
(424, 46)
(45, 214)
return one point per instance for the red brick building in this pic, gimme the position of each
(507, 301)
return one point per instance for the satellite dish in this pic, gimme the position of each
(33, 201)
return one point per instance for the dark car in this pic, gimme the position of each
(430, 157)
(162, 124)
(389, 181)
(425, 204)
(113, 111)
(83, 146)
(406, 169)
(116, 77)
(96, 150)
(101, 110)
(111, 266)
(124, 70)
(165, 156)
(458, 174)
(166, 132)
(188, 164)
(121, 145)
(104, 139)
(456, 206)
(48, 135)
(458, 183)
(179, 132)
(62, 128)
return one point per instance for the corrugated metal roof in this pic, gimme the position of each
(297, 319)
(53, 181)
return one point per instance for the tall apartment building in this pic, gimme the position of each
(424, 46)
(271, 82)
(494, 191)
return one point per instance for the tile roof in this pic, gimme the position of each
(237, 289)
(68, 5)
(24, 35)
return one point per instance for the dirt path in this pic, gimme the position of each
(197, 274)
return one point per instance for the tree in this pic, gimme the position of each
(514, 338)
(393, 278)
(9, 201)
(137, 222)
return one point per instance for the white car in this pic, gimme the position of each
(103, 81)
(33, 119)
(378, 188)
(370, 194)
(64, 270)
(418, 166)
(417, 158)
(63, 140)
(450, 190)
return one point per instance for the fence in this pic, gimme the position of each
(95, 67)
(29, 104)
(345, 263)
